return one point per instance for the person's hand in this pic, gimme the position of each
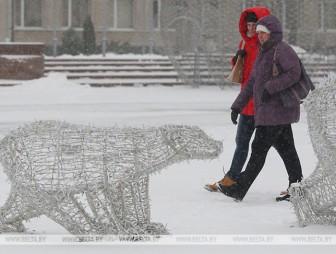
(234, 116)
(265, 97)
(241, 53)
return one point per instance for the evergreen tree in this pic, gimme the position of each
(89, 37)
(71, 43)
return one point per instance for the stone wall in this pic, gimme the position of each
(21, 61)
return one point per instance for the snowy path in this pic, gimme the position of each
(177, 196)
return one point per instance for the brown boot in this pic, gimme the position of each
(211, 187)
(226, 181)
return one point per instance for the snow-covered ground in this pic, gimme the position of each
(178, 198)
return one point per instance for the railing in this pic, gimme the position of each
(130, 70)
(152, 70)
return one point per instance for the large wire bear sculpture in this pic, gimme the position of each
(314, 199)
(92, 180)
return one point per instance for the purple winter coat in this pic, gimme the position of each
(272, 112)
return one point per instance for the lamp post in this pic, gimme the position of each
(104, 39)
(143, 34)
(151, 27)
(54, 36)
(7, 22)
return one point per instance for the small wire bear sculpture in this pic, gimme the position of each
(92, 180)
(314, 199)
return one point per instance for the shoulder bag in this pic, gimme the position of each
(237, 73)
(295, 94)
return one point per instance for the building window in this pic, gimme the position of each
(110, 13)
(156, 12)
(327, 15)
(249, 3)
(291, 14)
(75, 12)
(18, 15)
(120, 13)
(125, 13)
(28, 13)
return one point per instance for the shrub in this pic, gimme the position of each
(71, 43)
(89, 37)
(120, 47)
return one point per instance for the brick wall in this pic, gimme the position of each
(21, 61)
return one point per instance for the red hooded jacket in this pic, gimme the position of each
(251, 48)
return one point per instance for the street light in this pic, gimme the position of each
(104, 39)
(54, 37)
(7, 22)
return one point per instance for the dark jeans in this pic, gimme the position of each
(281, 137)
(245, 131)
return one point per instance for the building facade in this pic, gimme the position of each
(308, 23)
(125, 21)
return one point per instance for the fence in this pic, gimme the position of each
(206, 31)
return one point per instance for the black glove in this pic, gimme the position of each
(265, 97)
(241, 53)
(234, 116)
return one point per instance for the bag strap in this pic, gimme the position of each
(243, 44)
(275, 68)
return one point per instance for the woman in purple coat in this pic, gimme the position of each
(272, 120)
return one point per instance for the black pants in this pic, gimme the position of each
(281, 137)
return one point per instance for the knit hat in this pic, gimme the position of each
(262, 28)
(251, 17)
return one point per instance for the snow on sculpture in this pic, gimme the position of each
(314, 199)
(92, 180)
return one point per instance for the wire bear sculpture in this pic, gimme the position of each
(92, 180)
(314, 199)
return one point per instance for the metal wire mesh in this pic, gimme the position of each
(314, 199)
(92, 180)
(201, 36)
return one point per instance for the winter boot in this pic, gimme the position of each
(226, 181)
(231, 191)
(284, 196)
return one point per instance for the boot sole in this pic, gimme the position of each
(208, 188)
(283, 198)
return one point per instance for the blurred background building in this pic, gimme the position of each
(147, 26)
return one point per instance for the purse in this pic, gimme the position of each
(237, 73)
(295, 94)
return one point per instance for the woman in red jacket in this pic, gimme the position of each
(248, 49)
(273, 120)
